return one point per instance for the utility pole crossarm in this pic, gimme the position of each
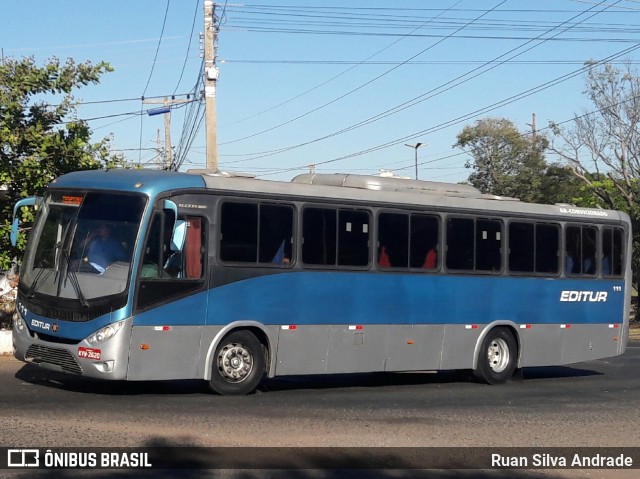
(167, 102)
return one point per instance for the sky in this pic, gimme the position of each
(327, 86)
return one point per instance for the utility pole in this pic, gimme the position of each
(534, 130)
(166, 110)
(211, 73)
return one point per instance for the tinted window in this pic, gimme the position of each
(319, 236)
(474, 244)
(253, 233)
(393, 240)
(460, 243)
(239, 232)
(580, 250)
(333, 237)
(612, 252)
(424, 241)
(533, 247)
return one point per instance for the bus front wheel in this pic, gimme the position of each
(497, 356)
(238, 364)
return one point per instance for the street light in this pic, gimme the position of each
(415, 147)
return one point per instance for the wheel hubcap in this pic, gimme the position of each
(498, 355)
(235, 362)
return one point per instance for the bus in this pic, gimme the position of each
(233, 279)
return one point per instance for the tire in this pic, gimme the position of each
(497, 357)
(238, 364)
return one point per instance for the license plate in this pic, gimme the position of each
(89, 353)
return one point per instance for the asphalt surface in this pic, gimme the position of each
(592, 404)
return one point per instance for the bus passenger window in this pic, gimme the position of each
(353, 238)
(547, 248)
(424, 241)
(319, 236)
(612, 248)
(571, 251)
(256, 233)
(580, 250)
(333, 237)
(521, 247)
(393, 240)
(533, 247)
(589, 238)
(460, 243)
(488, 245)
(474, 244)
(239, 232)
(276, 233)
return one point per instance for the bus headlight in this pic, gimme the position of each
(18, 322)
(105, 333)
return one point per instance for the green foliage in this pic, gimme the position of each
(602, 147)
(37, 142)
(509, 163)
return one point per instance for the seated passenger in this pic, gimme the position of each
(431, 259)
(383, 259)
(281, 257)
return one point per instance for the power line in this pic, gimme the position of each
(115, 115)
(186, 58)
(466, 77)
(414, 62)
(473, 114)
(155, 58)
(192, 122)
(117, 100)
(342, 73)
(486, 12)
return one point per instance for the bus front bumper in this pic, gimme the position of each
(103, 360)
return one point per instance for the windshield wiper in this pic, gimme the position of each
(71, 275)
(32, 290)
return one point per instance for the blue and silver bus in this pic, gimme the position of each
(232, 279)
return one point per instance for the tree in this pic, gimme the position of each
(505, 162)
(602, 147)
(559, 185)
(37, 142)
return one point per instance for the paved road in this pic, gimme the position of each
(589, 404)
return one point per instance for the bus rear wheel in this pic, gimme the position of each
(497, 357)
(238, 364)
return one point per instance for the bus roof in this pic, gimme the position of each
(366, 189)
(149, 182)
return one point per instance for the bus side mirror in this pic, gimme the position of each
(179, 235)
(31, 201)
(179, 232)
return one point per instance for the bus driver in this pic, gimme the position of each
(103, 249)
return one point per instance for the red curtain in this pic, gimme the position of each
(193, 248)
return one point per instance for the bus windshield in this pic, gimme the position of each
(82, 244)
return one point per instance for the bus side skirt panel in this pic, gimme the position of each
(344, 348)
